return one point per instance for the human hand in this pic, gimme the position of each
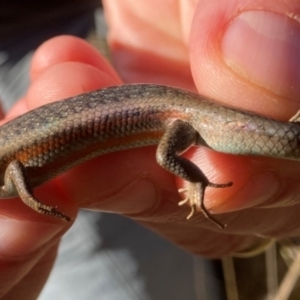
(242, 54)
(130, 182)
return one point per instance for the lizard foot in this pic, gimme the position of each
(195, 198)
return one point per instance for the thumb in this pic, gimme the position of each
(246, 54)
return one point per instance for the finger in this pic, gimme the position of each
(29, 283)
(27, 249)
(63, 49)
(145, 50)
(249, 59)
(57, 51)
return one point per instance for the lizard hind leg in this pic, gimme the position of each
(178, 137)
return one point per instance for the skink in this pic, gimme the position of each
(51, 139)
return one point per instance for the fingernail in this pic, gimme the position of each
(20, 238)
(264, 47)
(259, 189)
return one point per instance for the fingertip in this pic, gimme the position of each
(217, 75)
(68, 49)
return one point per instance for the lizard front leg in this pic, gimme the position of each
(16, 183)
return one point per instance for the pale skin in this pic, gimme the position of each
(264, 200)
